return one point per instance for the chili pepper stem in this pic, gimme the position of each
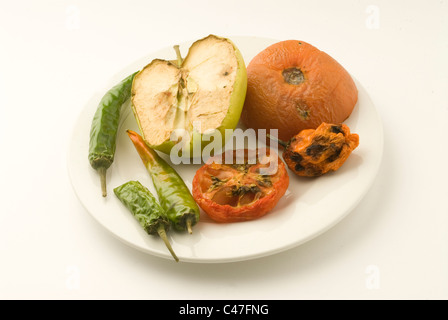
(102, 173)
(281, 142)
(188, 222)
(162, 234)
(179, 56)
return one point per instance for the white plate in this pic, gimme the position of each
(309, 207)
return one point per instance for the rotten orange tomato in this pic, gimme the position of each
(312, 153)
(240, 185)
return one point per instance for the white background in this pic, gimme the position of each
(56, 55)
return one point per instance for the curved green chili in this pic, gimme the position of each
(103, 131)
(145, 208)
(174, 195)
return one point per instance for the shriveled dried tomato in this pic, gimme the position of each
(240, 185)
(312, 153)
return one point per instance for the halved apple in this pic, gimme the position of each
(200, 94)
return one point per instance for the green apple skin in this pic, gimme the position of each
(232, 118)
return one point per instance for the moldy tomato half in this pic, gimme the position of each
(240, 185)
(293, 86)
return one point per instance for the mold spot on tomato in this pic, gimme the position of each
(315, 150)
(293, 76)
(303, 110)
(336, 129)
(296, 157)
(299, 167)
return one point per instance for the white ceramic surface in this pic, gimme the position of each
(310, 206)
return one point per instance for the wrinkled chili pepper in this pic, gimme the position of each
(174, 196)
(104, 127)
(312, 153)
(145, 208)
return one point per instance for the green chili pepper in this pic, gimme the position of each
(103, 132)
(174, 195)
(145, 208)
